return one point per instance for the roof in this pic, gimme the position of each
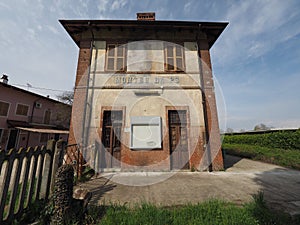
(24, 124)
(76, 27)
(31, 93)
(40, 130)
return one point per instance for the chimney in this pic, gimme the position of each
(148, 16)
(4, 79)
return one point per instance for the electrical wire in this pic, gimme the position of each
(41, 88)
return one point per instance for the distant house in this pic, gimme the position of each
(144, 94)
(28, 119)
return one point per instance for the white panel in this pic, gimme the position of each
(191, 57)
(145, 132)
(145, 56)
(100, 54)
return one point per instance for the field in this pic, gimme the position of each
(281, 148)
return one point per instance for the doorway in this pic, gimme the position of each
(178, 136)
(111, 138)
(13, 135)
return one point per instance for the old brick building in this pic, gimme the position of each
(144, 96)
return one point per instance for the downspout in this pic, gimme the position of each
(30, 120)
(84, 138)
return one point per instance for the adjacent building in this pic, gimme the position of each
(28, 119)
(144, 94)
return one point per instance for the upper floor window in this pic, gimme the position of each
(47, 117)
(22, 110)
(174, 60)
(115, 57)
(4, 106)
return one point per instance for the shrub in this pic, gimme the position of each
(281, 139)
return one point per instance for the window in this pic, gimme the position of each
(112, 124)
(115, 57)
(174, 60)
(22, 110)
(44, 137)
(4, 106)
(47, 117)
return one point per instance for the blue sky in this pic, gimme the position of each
(256, 60)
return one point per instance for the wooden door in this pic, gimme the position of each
(179, 154)
(111, 136)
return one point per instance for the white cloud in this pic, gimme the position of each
(4, 6)
(117, 4)
(30, 34)
(53, 29)
(103, 5)
(187, 7)
(255, 28)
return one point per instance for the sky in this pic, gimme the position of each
(256, 60)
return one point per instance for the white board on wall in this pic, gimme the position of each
(145, 132)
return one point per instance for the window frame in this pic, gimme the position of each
(8, 108)
(50, 111)
(21, 104)
(174, 57)
(115, 57)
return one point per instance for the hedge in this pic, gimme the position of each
(280, 139)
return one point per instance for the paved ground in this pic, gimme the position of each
(241, 179)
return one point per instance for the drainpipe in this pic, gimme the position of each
(84, 138)
(30, 120)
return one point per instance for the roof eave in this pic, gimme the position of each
(84, 25)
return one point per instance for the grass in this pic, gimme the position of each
(287, 158)
(212, 212)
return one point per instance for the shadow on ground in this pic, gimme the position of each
(98, 187)
(230, 161)
(281, 188)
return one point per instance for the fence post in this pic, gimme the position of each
(57, 161)
(51, 147)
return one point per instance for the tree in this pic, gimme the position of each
(261, 126)
(66, 97)
(229, 130)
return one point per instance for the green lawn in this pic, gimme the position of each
(284, 157)
(212, 212)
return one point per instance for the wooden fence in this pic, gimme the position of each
(74, 156)
(27, 175)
